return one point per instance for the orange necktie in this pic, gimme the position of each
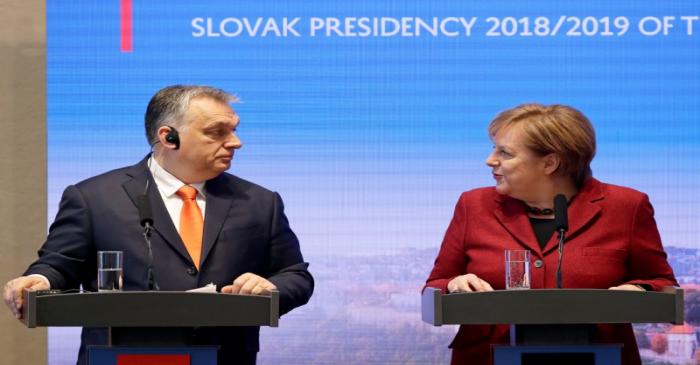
(191, 223)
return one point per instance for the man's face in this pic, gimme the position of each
(207, 139)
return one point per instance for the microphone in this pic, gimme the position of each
(146, 220)
(561, 218)
(145, 214)
(561, 225)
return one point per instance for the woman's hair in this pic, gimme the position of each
(557, 129)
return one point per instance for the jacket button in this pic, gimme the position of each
(192, 270)
(539, 263)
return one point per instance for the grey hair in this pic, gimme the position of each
(169, 105)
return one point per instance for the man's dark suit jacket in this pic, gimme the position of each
(245, 230)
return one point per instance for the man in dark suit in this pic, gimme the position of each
(209, 226)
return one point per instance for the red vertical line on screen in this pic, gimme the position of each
(126, 16)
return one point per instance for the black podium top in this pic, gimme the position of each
(149, 309)
(553, 306)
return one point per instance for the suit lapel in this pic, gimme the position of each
(219, 200)
(162, 223)
(581, 211)
(511, 214)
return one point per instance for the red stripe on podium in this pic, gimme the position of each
(151, 359)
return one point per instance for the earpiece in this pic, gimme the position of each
(173, 137)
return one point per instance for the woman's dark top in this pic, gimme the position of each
(544, 228)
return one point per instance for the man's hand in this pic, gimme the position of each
(249, 283)
(13, 291)
(467, 283)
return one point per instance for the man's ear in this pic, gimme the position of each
(168, 137)
(552, 162)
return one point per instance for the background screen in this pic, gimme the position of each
(369, 118)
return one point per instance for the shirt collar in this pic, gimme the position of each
(167, 183)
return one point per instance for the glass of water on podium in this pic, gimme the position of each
(110, 270)
(517, 269)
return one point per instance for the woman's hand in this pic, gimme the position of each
(629, 287)
(468, 283)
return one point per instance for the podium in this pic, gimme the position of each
(547, 322)
(150, 322)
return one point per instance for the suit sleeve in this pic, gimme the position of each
(289, 271)
(451, 261)
(647, 265)
(63, 258)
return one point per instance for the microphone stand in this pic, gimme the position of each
(147, 221)
(561, 221)
(560, 249)
(152, 285)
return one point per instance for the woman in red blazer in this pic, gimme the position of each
(612, 242)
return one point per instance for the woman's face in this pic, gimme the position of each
(518, 171)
